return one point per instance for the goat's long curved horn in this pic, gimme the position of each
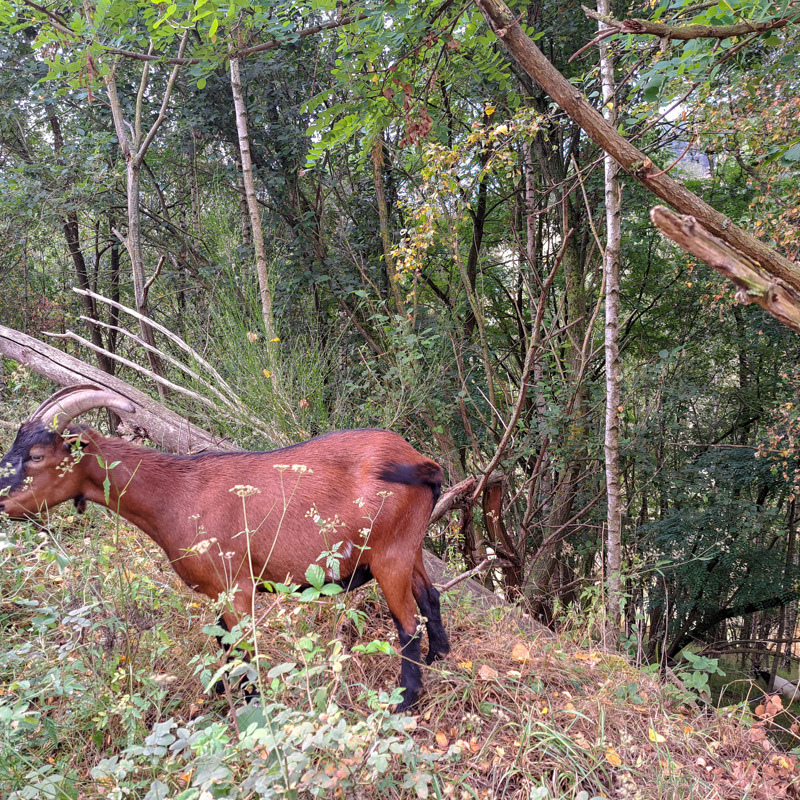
(59, 396)
(59, 409)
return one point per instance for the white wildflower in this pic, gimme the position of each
(243, 490)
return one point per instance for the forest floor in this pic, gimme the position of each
(103, 661)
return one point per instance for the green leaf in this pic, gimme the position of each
(158, 791)
(309, 595)
(281, 669)
(315, 575)
(791, 155)
(342, 130)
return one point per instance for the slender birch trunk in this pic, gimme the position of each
(255, 213)
(611, 272)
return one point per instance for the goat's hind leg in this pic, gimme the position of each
(427, 598)
(396, 587)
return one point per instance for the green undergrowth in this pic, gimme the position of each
(105, 658)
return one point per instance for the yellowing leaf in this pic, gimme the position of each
(267, 373)
(519, 652)
(655, 737)
(465, 665)
(613, 757)
(275, 339)
(489, 110)
(441, 739)
(592, 658)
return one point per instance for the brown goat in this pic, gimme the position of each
(230, 521)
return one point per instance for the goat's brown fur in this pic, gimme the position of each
(232, 520)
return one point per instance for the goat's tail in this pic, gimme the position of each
(427, 473)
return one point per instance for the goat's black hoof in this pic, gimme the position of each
(408, 703)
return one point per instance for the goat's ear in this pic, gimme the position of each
(74, 440)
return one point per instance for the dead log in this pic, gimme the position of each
(162, 427)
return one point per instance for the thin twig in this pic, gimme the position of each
(688, 147)
(149, 283)
(487, 562)
(533, 349)
(165, 356)
(604, 34)
(235, 403)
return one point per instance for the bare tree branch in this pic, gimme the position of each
(685, 32)
(160, 425)
(243, 53)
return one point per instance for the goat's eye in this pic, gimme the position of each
(36, 457)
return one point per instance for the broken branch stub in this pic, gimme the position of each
(754, 284)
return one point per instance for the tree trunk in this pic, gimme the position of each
(71, 229)
(611, 272)
(135, 144)
(255, 214)
(131, 150)
(478, 225)
(244, 211)
(383, 218)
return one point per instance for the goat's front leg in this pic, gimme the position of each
(228, 620)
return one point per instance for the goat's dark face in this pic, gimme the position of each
(37, 473)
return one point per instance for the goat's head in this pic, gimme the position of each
(38, 471)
